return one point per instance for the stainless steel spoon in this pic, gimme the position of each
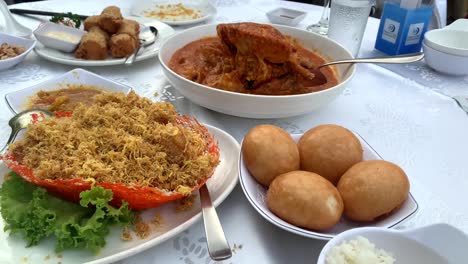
(218, 247)
(21, 121)
(148, 36)
(321, 79)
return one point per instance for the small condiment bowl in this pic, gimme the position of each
(44, 34)
(28, 45)
(435, 244)
(285, 16)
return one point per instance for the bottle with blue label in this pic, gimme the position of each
(402, 27)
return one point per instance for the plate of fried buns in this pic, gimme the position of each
(323, 182)
(109, 39)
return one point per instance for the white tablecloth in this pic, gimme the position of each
(406, 115)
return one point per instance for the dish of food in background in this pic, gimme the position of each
(285, 16)
(108, 33)
(175, 13)
(426, 244)
(13, 50)
(265, 200)
(161, 223)
(252, 105)
(100, 48)
(251, 58)
(60, 37)
(19, 100)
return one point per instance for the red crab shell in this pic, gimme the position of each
(138, 197)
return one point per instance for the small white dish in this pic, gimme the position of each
(285, 16)
(435, 244)
(28, 45)
(48, 35)
(17, 100)
(164, 31)
(205, 9)
(256, 195)
(444, 62)
(14, 250)
(452, 39)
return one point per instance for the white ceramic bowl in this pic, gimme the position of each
(41, 33)
(285, 16)
(444, 62)
(452, 39)
(435, 244)
(257, 106)
(454, 42)
(28, 44)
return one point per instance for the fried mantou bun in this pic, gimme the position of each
(305, 199)
(269, 151)
(373, 188)
(329, 150)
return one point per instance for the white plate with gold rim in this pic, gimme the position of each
(221, 184)
(164, 31)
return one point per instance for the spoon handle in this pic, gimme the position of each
(130, 60)
(218, 246)
(391, 59)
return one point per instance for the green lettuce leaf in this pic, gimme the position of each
(32, 213)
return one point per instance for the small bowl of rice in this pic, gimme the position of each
(372, 245)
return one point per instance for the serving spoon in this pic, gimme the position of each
(320, 78)
(216, 241)
(23, 120)
(147, 37)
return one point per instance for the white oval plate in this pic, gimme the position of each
(164, 31)
(256, 194)
(220, 185)
(207, 10)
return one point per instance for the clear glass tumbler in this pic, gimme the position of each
(348, 19)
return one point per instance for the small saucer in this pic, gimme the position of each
(285, 16)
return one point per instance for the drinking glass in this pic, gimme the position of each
(348, 19)
(321, 27)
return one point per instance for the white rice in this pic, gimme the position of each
(358, 251)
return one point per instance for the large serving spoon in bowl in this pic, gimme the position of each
(23, 120)
(320, 78)
(148, 36)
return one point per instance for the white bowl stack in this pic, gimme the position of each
(446, 50)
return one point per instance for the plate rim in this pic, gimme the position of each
(44, 52)
(190, 221)
(302, 231)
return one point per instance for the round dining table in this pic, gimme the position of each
(407, 113)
